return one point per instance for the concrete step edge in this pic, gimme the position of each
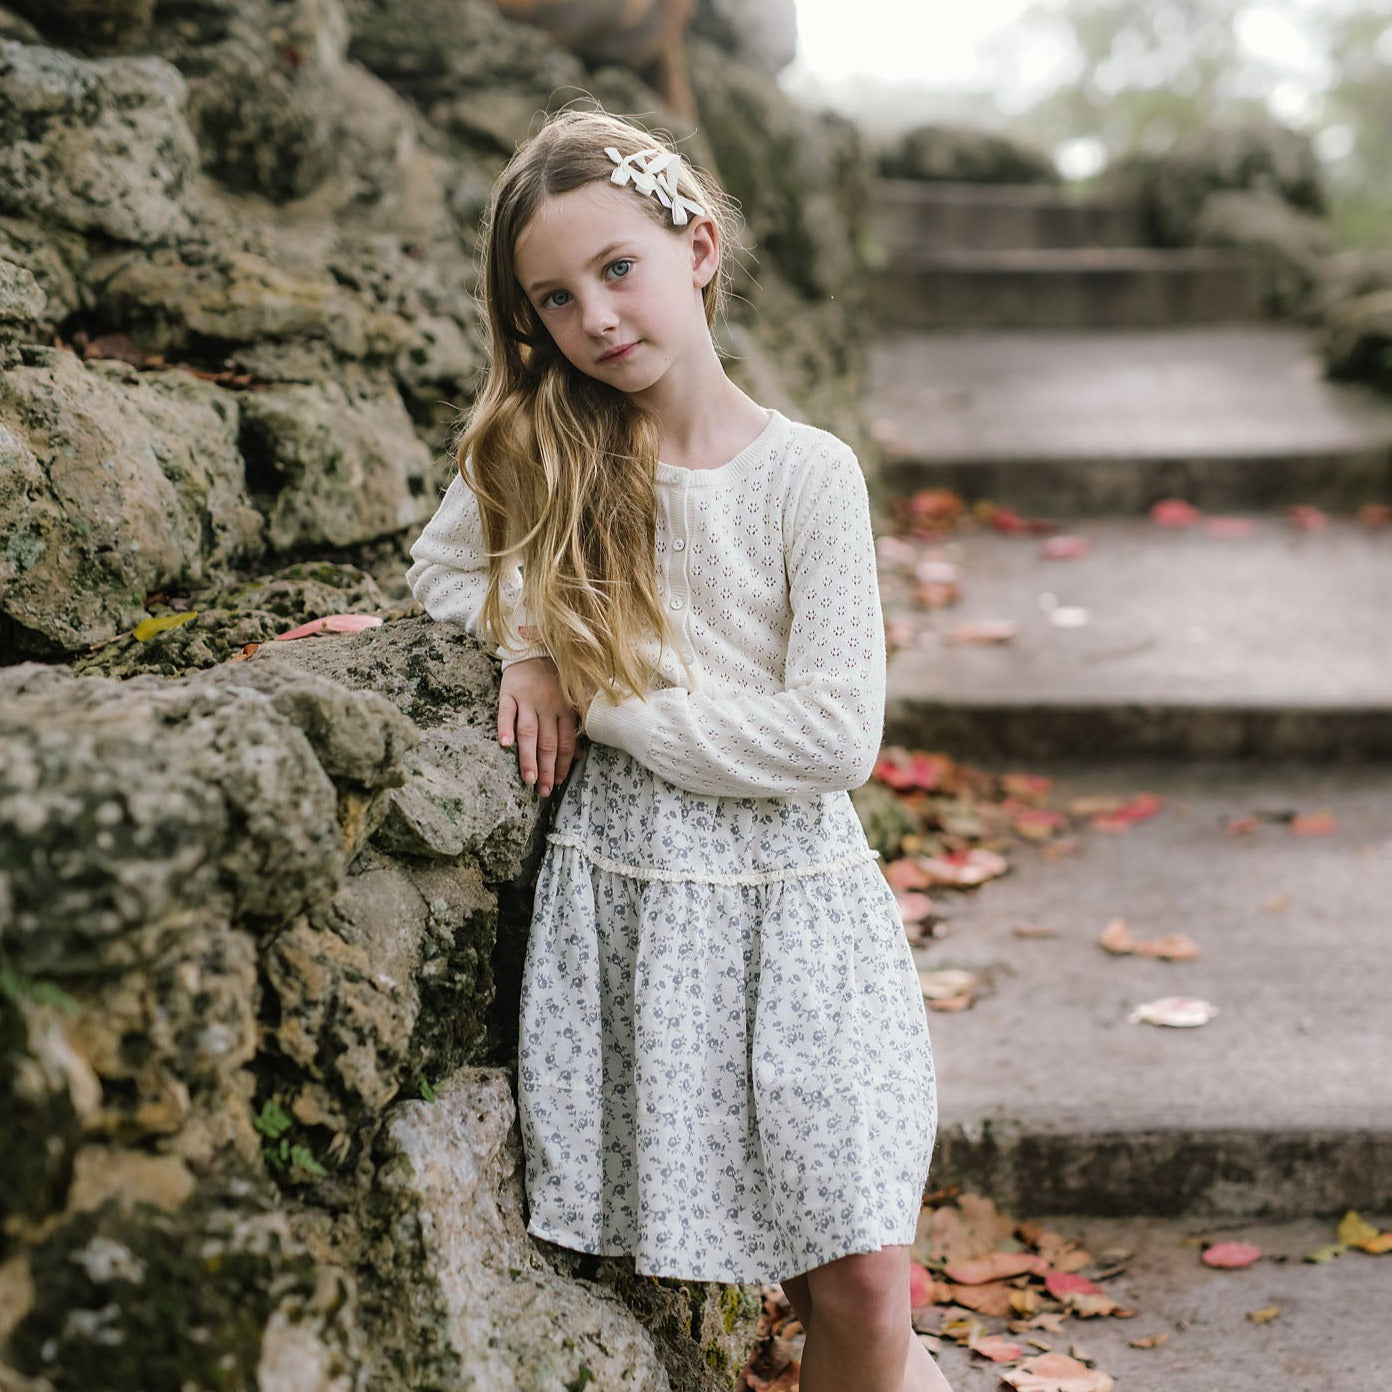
(1167, 1171)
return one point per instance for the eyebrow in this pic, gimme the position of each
(599, 256)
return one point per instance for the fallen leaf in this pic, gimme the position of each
(1306, 518)
(1034, 930)
(1231, 1255)
(1265, 1315)
(332, 623)
(997, 1348)
(1181, 1012)
(1140, 808)
(1116, 937)
(248, 651)
(913, 908)
(1064, 548)
(1063, 1283)
(903, 771)
(1069, 616)
(1176, 947)
(1174, 512)
(945, 983)
(1149, 1341)
(983, 631)
(1321, 823)
(1028, 787)
(907, 874)
(996, 1266)
(1056, 1372)
(1037, 823)
(147, 629)
(1230, 526)
(1327, 1253)
(991, 1298)
(1355, 1231)
(1375, 514)
(1240, 826)
(963, 869)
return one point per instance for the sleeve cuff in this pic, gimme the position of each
(511, 655)
(629, 725)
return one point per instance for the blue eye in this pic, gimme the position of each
(547, 298)
(623, 261)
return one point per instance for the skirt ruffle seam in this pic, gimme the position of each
(750, 877)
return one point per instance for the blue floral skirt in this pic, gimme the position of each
(724, 1068)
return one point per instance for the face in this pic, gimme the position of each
(618, 292)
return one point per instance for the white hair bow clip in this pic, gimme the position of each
(654, 172)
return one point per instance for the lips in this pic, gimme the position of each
(618, 354)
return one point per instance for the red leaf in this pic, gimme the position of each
(1174, 512)
(1231, 1254)
(1062, 1283)
(1306, 518)
(1064, 548)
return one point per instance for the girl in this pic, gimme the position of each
(723, 1066)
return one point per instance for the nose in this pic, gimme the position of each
(597, 314)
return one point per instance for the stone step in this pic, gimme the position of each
(1328, 1334)
(906, 215)
(1099, 288)
(1276, 644)
(1092, 423)
(1050, 1100)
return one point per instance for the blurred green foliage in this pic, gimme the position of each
(1136, 74)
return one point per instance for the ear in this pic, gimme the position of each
(705, 250)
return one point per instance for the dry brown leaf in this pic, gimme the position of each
(983, 631)
(996, 1266)
(1265, 1315)
(1056, 1372)
(997, 1348)
(992, 1298)
(1149, 1341)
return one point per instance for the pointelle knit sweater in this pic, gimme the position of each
(767, 567)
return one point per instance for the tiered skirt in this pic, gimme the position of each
(724, 1067)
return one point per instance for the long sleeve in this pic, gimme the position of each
(449, 574)
(822, 732)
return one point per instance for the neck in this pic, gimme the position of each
(701, 410)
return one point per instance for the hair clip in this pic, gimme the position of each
(654, 172)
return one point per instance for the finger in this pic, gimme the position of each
(548, 743)
(507, 718)
(527, 742)
(566, 745)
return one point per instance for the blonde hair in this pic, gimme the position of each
(564, 466)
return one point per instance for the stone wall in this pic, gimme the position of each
(262, 905)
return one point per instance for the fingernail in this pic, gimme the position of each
(507, 739)
(544, 789)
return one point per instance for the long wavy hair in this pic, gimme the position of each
(564, 466)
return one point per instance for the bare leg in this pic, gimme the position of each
(856, 1317)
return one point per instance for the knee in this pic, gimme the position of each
(867, 1292)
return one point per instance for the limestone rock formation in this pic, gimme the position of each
(965, 154)
(263, 904)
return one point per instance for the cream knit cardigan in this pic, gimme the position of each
(767, 568)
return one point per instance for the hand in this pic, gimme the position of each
(533, 711)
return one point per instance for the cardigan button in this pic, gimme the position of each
(679, 544)
(676, 604)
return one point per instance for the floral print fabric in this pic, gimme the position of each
(724, 1067)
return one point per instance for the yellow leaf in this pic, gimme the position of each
(1327, 1253)
(1354, 1231)
(1379, 1244)
(1265, 1315)
(143, 632)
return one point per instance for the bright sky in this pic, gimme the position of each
(934, 44)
